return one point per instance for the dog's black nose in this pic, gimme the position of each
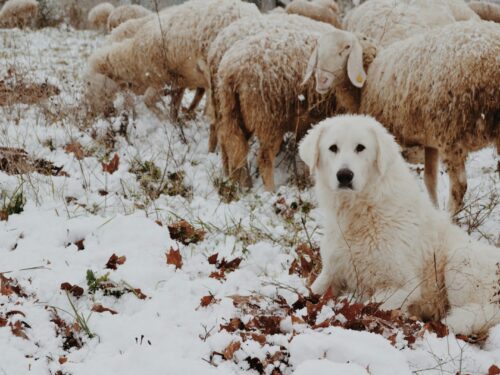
(345, 176)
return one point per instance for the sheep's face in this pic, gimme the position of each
(332, 63)
(338, 56)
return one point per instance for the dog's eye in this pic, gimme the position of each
(334, 148)
(360, 148)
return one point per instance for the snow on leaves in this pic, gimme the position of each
(223, 266)
(185, 233)
(112, 166)
(115, 261)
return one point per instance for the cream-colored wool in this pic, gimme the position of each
(440, 90)
(171, 48)
(320, 10)
(98, 16)
(389, 21)
(124, 13)
(128, 29)
(18, 13)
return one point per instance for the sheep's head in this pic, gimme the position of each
(337, 54)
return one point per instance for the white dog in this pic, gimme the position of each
(385, 241)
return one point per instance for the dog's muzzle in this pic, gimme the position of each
(345, 177)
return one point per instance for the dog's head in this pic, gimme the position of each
(347, 153)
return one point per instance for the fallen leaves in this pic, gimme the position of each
(307, 264)
(174, 257)
(74, 290)
(76, 149)
(207, 300)
(223, 266)
(17, 329)
(494, 370)
(10, 286)
(62, 360)
(185, 233)
(13, 160)
(70, 333)
(112, 166)
(114, 261)
(80, 245)
(100, 309)
(228, 353)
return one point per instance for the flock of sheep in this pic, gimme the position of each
(429, 70)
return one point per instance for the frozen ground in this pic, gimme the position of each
(245, 310)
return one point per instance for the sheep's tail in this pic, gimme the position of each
(231, 133)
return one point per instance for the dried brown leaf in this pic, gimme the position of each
(112, 166)
(100, 309)
(114, 261)
(230, 349)
(185, 233)
(76, 149)
(174, 257)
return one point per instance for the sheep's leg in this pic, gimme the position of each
(458, 180)
(200, 91)
(225, 160)
(151, 98)
(267, 154)
(212, 139)
(236, 151)
(431, 172)
(176, 99)
(210, 113)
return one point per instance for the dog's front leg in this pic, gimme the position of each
(326, 277)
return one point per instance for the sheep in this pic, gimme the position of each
(259, 91)
(124, 13)
(320, 10)
(170, 49)
(487, 11)
(388, 21)
(98, 16)
(18, 13)
(438, 90)
(238, 30)
(128, 29)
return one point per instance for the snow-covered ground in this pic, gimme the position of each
(231, 301)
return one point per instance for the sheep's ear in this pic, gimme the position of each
(355, 69)
(311, 65)
(387, 149)
(309, 147)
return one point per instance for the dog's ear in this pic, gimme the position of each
(309, 147)
(311, 66)
(387, 148)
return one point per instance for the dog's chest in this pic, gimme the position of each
(371, 250)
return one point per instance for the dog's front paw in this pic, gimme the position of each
(321, 284)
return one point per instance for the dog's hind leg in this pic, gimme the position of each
(472, 318)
